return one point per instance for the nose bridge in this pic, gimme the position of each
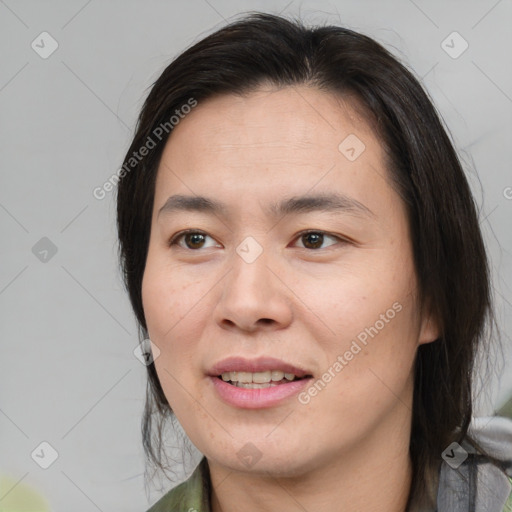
(251, 292)
(248, 279)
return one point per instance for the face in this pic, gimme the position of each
(279, 250)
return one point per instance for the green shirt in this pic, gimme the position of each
(193, 495)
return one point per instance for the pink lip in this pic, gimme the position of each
(257, 398)
(262, 364)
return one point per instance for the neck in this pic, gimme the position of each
(374, 476)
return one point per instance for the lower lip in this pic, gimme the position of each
(257, 398)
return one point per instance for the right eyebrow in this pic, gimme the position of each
(192, 203)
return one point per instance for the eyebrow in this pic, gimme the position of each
(321, 202)
(332, 202)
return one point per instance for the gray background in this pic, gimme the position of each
(68, 373)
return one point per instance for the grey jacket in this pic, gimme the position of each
(470, 483)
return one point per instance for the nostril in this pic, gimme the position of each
(262, 323)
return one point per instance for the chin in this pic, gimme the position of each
(269, 466)
(261, 457)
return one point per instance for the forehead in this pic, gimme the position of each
(271, 141)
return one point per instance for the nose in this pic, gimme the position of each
(253, 297)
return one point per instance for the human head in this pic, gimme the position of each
(449, 256)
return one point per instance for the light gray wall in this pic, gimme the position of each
(68, 374)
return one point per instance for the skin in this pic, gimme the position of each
(347, 448)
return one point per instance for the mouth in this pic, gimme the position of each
(257, 383)
(259, 380)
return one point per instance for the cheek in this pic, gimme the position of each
(177, 307)
(378, 353)
(368, 371)
(354, 295)
(369, 318)
(167, 296)
(173, 321)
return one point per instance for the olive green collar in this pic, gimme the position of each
(193, 495)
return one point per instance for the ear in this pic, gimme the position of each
(429, 330)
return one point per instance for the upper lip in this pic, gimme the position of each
(261, 364)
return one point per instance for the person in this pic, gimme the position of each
(303, 256)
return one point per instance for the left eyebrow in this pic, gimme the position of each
(321, 202)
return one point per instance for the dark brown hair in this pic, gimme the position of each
(449, 254)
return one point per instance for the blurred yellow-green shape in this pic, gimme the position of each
(20, 497)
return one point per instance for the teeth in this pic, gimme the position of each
(257, 377)
(242, 376)
(277, 375)
(254, 385)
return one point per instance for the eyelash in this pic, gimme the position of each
(178, 236)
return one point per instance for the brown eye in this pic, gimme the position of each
(192, 240)
(315, 239)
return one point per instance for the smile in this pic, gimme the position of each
(258, 380)
(257, 383)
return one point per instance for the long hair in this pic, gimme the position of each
(449, 254)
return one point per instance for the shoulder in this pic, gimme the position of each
(192, 495)
(471, 481)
